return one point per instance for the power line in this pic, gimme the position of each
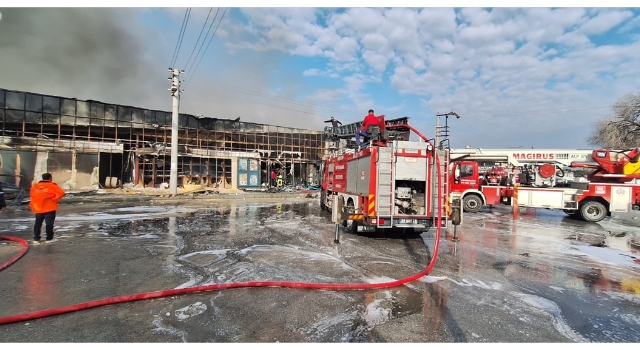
(183, 30)
(199, 35)
(188, 70)
(205, 50)
(179, 34)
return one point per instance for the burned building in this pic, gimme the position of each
(89, 144)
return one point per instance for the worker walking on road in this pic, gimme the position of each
(44, 203)
(273, 178)
(370, 119)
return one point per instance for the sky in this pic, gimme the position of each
(531, 77)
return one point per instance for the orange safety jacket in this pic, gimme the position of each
(45, 196)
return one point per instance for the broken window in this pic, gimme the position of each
(15, 100)
(34, 103)
(82, 109)
(68, 107)
(51, 105)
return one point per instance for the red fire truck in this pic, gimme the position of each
(535, 173)
(389, 183)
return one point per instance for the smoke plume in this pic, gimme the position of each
(86, 53)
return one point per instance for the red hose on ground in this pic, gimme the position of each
(171, 292)
(25, 247)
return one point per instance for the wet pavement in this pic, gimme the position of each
(541, 278)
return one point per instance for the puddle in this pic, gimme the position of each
(384, 305)
(203, 221)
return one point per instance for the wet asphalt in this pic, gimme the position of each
(542, 278)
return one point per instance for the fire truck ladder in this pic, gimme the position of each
(385, 185)
(441, 181)
(348, 131)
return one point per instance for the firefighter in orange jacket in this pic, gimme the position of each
(44, 203)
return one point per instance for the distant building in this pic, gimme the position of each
(91, 144)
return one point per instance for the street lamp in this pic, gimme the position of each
(443, 131)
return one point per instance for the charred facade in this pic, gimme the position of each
(89, 144)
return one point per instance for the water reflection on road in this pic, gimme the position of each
(541, 278)
(584, 278)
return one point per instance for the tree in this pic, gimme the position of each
(621, 129)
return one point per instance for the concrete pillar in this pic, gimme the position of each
(234, 173)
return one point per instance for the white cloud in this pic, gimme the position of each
(604, 21)
(515, 65)
(630, 25)
(311, 72)
(345, 50)
(376, 60)
(327, 95)
(374, 41)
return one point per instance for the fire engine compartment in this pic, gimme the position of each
(410, 198)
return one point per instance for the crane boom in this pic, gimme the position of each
(518, 157)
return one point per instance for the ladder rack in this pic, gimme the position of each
(348, 131)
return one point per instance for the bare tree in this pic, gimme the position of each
(621, 129)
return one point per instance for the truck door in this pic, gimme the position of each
(465, 176)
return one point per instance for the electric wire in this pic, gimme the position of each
(191, 74)
(183, 30)
(199, 35)
(188, 69)
(179, 34)
(205, 50)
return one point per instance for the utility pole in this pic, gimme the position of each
(443, 131)
(437, 140)
(175, 92)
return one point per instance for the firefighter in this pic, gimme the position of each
(370, 119)
(280, 180)
(334, 122)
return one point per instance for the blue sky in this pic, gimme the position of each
(518, 76)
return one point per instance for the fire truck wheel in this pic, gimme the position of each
(472, 203)
(352, 226)
(593, 211)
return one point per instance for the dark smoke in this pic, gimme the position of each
(105, 54)
(87, 53)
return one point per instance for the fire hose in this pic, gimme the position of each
(221, 286)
